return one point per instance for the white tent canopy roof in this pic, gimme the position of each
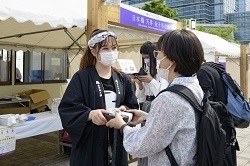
(215, 44)
(55, 13)
(25, 16)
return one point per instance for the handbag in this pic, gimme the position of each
(65, 137)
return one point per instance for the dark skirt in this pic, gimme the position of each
(145, 108)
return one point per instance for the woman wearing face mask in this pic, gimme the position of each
(171, 120)
(152, 83)
(148, 85)
(92, 90)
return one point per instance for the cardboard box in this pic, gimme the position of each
(41, 109)
(38, 97)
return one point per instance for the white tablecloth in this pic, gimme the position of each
(45, 122)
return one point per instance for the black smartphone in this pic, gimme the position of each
(135, 74)
(109, 116)
(112, 116)
(140, 73)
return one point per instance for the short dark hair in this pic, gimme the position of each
(184, 48)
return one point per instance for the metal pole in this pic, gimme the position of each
(31, 33)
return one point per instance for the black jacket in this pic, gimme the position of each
(210, 80)
(89, 141)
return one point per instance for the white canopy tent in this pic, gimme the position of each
(215, 46)
(42, 25)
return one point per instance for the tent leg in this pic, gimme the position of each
(72, 38)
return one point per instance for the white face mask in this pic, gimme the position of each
(147, 61)
(158, 61)
(163, 73)
(108, 58)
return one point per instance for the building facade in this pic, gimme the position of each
(242, 21)
(204, 11)
(135, 3)
(243, 5)
(235, 12)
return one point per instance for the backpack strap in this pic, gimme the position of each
(170, 156)
(189, 96)
(185, 93)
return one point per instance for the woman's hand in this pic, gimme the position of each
(139, 116)
(117, 122)
(97, 116)
(122, 108)
(145, 78)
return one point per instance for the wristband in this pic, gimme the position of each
(122, 127)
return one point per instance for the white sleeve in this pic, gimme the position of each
(140, 94)
(154, 86)
(157, 86)
(164, 83)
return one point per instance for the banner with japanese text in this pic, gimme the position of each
(138, 18)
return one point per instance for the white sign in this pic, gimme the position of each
(127, 66)
(7, 140)
(110, 99)
(55, 62)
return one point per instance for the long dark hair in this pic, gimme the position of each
(148, 48)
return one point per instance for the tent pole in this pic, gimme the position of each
(73, 57)
(31, 33)
(72, 38)
(244, 70)
(76, 40)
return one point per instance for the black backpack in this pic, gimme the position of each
(216, 135)
(236, 104)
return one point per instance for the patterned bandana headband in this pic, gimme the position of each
(100, 37)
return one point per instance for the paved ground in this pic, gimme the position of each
(243, 156)
(42, 151)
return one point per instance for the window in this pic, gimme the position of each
(19, 66)
(5, 63)
(38, 67)
(55, 67)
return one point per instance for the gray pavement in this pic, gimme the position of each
(42, 151)
(243, 156)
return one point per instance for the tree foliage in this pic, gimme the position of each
(226, 33)
(160, 8)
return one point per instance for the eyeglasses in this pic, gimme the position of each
(155, 53)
